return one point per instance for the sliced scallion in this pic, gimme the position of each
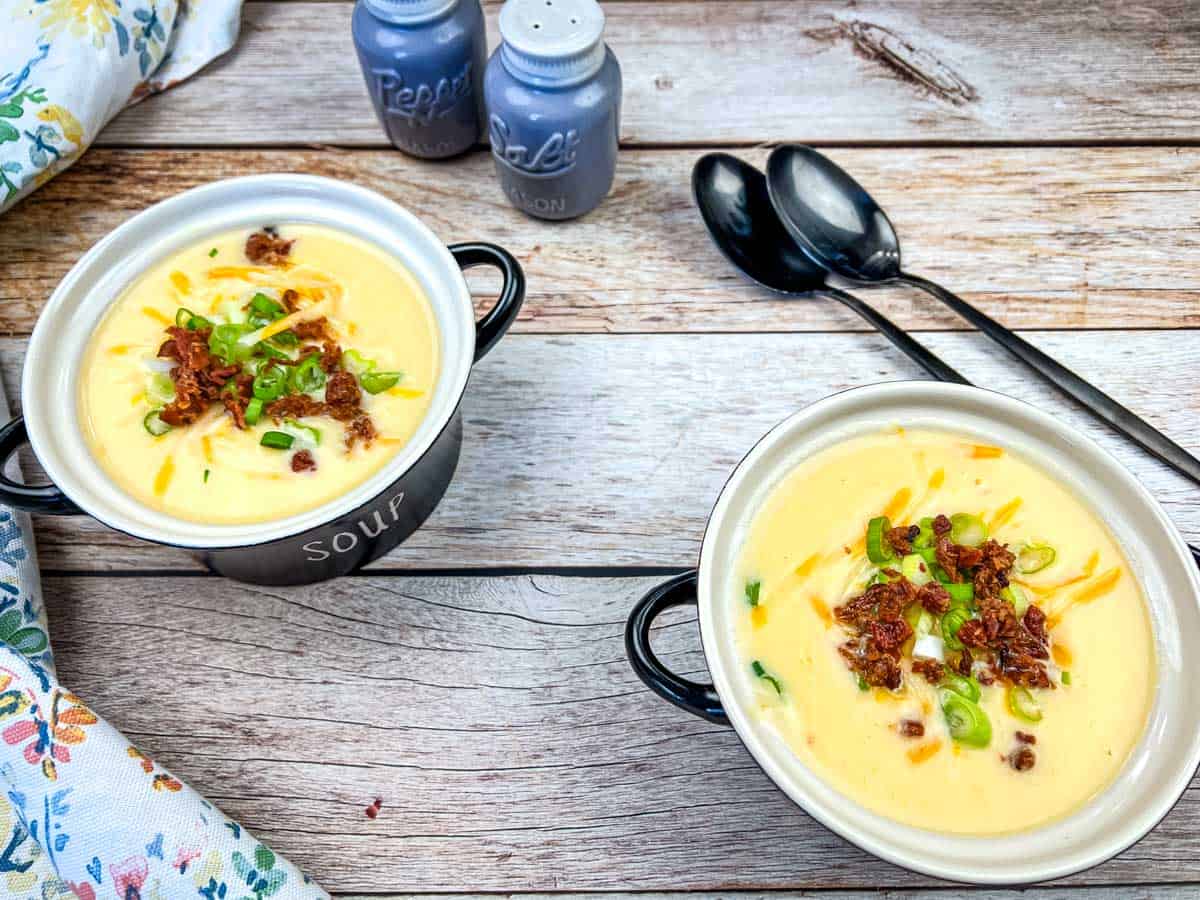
(926, 538)
(183, 316)
(1035, 557)
(913, 568)
(160, 389)
(1066, 678)
(253, 411)
(376, 382)
(308, 376)
(277, 440)
(1014, 595)
(962, 594)
(306, 434)
(965, 720)
(964, 687)
(1023, 705)
(270, 383)
(968, 530)
(355, 363)
(761, 672)
(952, 621)
(266, 307)
(879, 550)
(752, 589)
(154, 424)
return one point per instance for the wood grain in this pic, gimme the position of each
(1039, 238)
(698, 73)
(608, 450)
(511, 745)
(1065, 892)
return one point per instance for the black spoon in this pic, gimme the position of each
(736, 207)
(844, 230)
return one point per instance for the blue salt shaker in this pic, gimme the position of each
(423, 62)
(553, 96)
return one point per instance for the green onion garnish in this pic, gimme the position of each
(967, 723)
(183, 316)
(375, 382)
(160, 389)
(967, 530)
(879, 551)
(266, 307)
(306, 433)
(277, 440)
(212, 252)
(154, 424)
(761, 672)
(355, 363)
(308, 376)
(1035, 557)
(207, 472)
(270, 383)
(752, 589)
(964, 687)
(961, 594)
(253, 411)
(285, 339)
(926, 538)
(862, 684)
(195, 323)
(1022, 704)
(225, 342)
(1066, 678)
(1014, 595)
(953, 620)
(915, 569)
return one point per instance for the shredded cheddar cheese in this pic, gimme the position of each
(181, 283)
(918, 755)
(157, 316)
(984, 451)
(1005, 513)
(758, 616)
(163, 479)
(937, 479)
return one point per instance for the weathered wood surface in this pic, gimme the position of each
(760, 70)
(609, 450)
(1039, 238)
(511, 745)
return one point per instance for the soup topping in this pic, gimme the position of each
(272, 356)
(943, 606)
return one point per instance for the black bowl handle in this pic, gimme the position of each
(698, 699)
(38, 498)
(492, 326)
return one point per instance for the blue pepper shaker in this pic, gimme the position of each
(553, 96)
(423, 62)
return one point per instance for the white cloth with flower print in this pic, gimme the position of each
(68, 66)
(83, 812)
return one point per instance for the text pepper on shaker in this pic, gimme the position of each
(553, 95)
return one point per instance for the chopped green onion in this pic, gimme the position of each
(195, 323)
(263, 305)
(207, 472)
(862, 684)
(926, 539)
(285, 339)
(1017, 598)
(225, 342)
(914, 568)
(879, 550)
(154, 424)
(1035, 557)
(929, 554)
(919, 619)
(277, 440)
(183, 316)
(1066, 678)
(964, 687)
(270, 351)
(967, 530)
(355, 363)
(752, 589)
(306, 433)
(1022, 704)
(967, 723)
(160, 389)
(960, 594)
(212, 252)
(376, 382)
(760, 672)
(270, 383)
(308, 376)
(951, 622)
(253, 411)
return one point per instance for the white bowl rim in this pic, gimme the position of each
(835, 815)
(285, 198)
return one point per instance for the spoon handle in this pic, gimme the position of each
(1091, 397)
(915, 351)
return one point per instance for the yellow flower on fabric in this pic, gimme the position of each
(67, 123)
(79, 18)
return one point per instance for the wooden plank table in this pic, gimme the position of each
(1043, 159)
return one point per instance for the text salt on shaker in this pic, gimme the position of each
(553, 94)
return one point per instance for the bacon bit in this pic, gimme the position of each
(805, 568)
(373, 809)
(342, 390)
(302, 461)
(163, 479)
(910, 728)
(984, 451)
(361, 429)
(901, 538)
(918, 755)
(942, 525)
(289, 299)
(1022, 759)
(934, 597)
(156, 315)
(331, 356)
(1026, 738)
(898, 503)
(929, 669)
(819, 608)
(313, 330)
(937, 479)
(263, 248)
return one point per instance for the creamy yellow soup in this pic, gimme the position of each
(211, 471)
(805, 548)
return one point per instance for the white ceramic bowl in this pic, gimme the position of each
(56, 351)
(1160, 767)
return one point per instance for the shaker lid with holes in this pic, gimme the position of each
(552, 43)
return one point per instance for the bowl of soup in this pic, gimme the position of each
(266, 370)
(951, 628)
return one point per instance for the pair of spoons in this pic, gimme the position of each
(807, 218)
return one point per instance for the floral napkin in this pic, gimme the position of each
(83, 812)
(68, 66)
